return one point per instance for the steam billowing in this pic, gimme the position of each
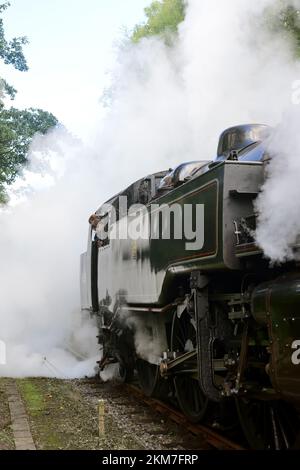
(169, 105)
(279, 203)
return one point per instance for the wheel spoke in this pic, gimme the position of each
(148, 376)
(267, 424)
(188, 393)
(180, 342)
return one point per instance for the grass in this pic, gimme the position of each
(6, 435)
(32, 396)
(61, 417)
(57, 418)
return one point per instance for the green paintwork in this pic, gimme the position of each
(207, 190)
(163, 257)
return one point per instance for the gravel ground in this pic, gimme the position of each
(63, 414)
(62, 418)
(6, 435)
(135, 418)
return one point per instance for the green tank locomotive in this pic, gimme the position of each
(184, 296)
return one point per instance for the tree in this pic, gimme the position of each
(11, 52)
(17, 127)
(290, 21)
(284, 19)
(163, 18)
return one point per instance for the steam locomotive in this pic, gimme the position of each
(186, 299)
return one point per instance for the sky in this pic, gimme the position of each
(71, 51)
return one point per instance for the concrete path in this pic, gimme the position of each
(20, 425)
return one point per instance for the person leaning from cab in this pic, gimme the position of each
(98, 224)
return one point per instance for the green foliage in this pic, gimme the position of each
(290, 20)
(163, 18)
(11, 52)
(17, 127)
(284, 20)
(6, 89)
(6, 160)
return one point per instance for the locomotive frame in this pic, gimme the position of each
(213, 327)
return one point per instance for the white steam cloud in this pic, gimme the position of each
(169, 106)
(278, 204)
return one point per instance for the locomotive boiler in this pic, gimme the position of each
(186, 299)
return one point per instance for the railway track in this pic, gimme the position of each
(214, 439)
(165, 425)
